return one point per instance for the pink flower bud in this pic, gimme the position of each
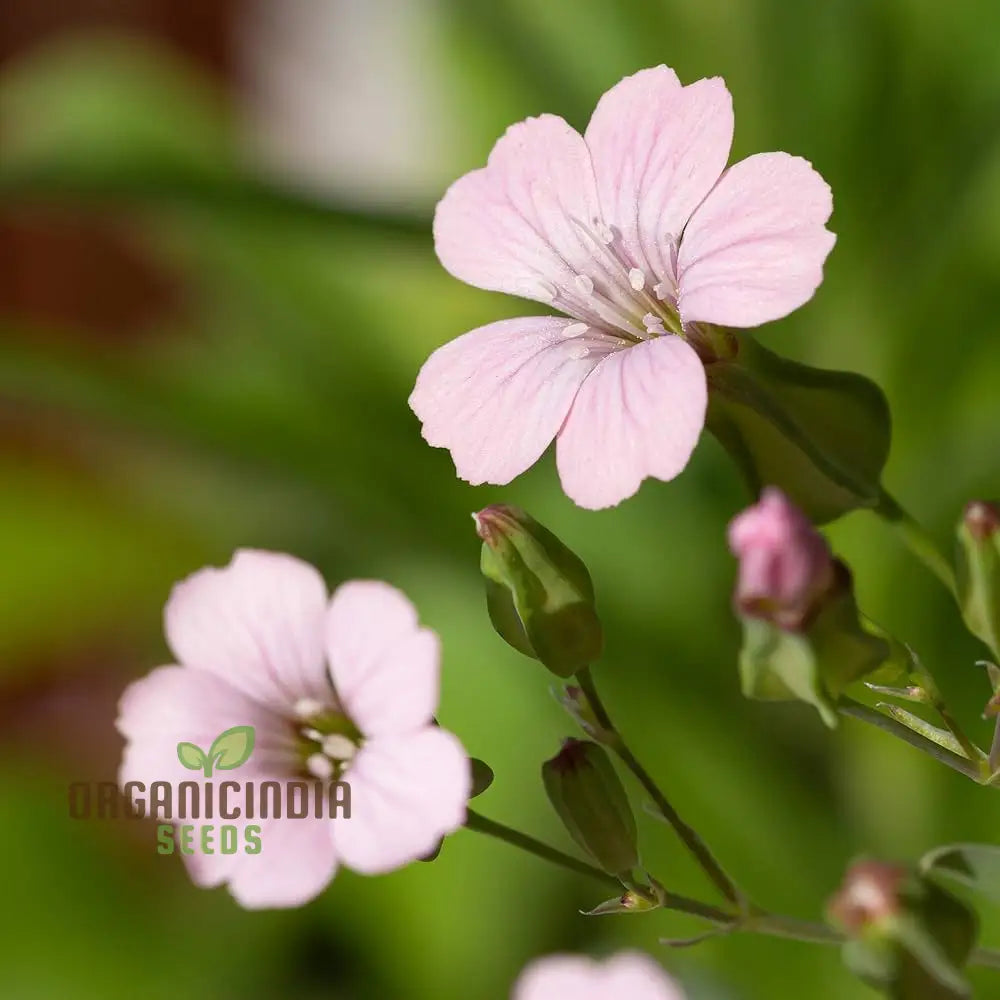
(785, 563)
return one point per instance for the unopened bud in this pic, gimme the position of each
(539, 594)
(786, 566)
(979, 571)
(588, 795)
(906, 934)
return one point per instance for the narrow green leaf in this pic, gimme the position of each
(974, 865)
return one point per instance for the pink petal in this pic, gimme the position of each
(185, 704)
(258, 623)
(638, 414)
(496, 396)
(628, 974)
(658, 148)
(296, 862)
(509, 226)
(386, 669)
(754, 250)
(406, 793)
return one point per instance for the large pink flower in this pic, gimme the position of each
(638, 232)
(335, 688)
(628, 974)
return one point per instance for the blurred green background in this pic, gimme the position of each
(217, 285)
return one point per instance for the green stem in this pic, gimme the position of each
(671, 901)
(690, 838)
(757, 922)
(854, 709)
(479, 823)
(917, 539)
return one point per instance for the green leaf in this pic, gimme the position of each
(821, 436)
(232, 748)
(191, 756)
(974, 865)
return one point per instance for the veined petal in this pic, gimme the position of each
(509, 226)
(258, 623)
(496, 396)
(639, 413)
(407, 792)
(385, 667)
(296, 862)
(754, 250)
(658, 148)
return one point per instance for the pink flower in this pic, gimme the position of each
(637, 232)
(629, 974)
(785, 563)
(341, 688)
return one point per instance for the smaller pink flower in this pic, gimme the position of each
(785, 563)
(629, 975)
(642, 237)
(343, 688)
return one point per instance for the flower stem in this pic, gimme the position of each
(671, 901)
(754, 922)
(917, 539)
(690, 838)
(854, 709)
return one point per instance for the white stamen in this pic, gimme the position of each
(313, 734)
(585, 284)
(653, 323)
(338, 747)
(307, 708)
(661, 290)
(574, 330)
(637, 279)
(604, 232)
(319, 766)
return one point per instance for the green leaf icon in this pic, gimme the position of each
(192, 757)
(232, 748)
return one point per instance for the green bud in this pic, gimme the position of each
(538, 593)
(815, 663)
(907, 936)
(979, 571)
(822, 437)
(588, 795)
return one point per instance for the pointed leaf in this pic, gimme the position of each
(482, 776)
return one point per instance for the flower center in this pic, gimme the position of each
(616, 303)
(326, 739)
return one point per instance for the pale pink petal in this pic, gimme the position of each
(628, 974)
(495, 397)
(657, 149)
(406, 793)
(296, 862)
(258, 623)
(754, 250)
(514, 226)
(385, 667)
(172, 705)
(640, 413)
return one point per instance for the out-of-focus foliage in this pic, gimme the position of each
(269, 409)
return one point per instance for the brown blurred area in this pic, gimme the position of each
(81, 277)
(70, 270)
